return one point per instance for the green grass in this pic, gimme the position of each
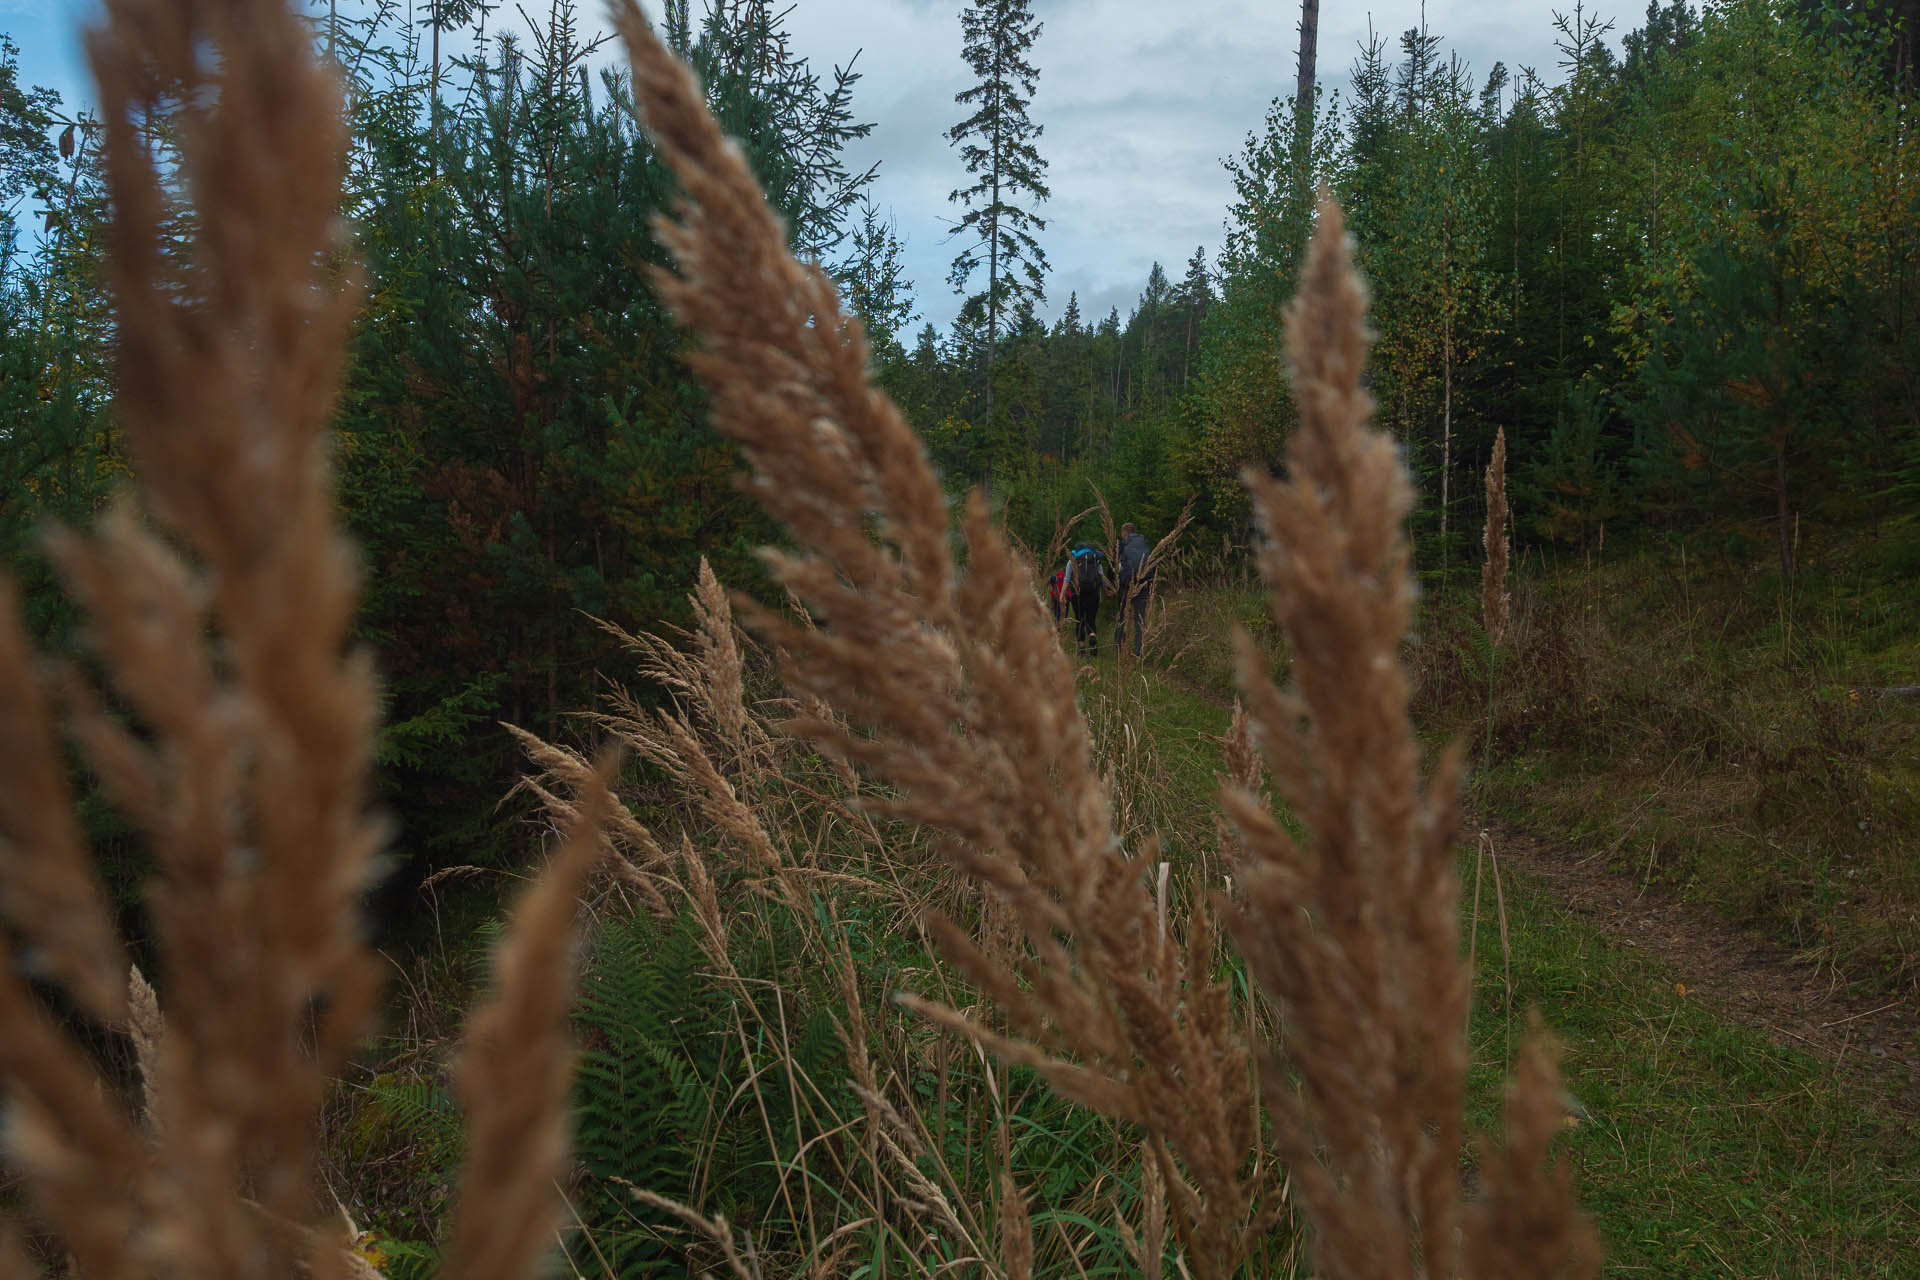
(1699, 729)
(1707, 1149)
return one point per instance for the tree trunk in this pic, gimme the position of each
(433, 112)
(993, 298)
(1309, 45)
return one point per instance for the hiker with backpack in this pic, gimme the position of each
(1136, 585)
(1086, 582)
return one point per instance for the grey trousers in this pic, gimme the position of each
(1137, 606)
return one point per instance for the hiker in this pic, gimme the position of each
(1136, 585)
(1086, 582)
(1057, 593)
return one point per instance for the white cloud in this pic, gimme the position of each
(1140, 101)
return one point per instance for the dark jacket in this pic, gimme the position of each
(1133, 555)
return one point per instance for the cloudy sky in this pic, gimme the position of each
(1140, 100)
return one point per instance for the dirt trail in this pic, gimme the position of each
(1872, 1043)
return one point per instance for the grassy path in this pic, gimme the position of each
(1701, 1146)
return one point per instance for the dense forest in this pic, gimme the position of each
(1676, 276)
(1684, 279)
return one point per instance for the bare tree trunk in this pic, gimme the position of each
(993, 298)
(433, 120)
(1309, 45)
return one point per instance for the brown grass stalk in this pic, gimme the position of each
(1061, 536)
(1495, 601)
(774, 842)
(244, 754)
(516, 1064)
(1355, 932)
(955, 694)
(47, 884)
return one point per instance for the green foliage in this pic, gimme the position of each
(423, 1113)
(1699, 1146)
(997, 148)
(61, 457)
(404, 1138)
(875, 286)
(640, 1107)
(408, 1260)
(1237, 409)
(519, 441)
(1572, 484)
(416, 741)
(1750, 384)
(1726, 743)
(675, 1094)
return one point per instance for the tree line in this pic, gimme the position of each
(1681, 277)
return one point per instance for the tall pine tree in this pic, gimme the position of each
(997, 144)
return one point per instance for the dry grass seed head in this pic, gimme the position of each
(517, 1062)
(955, 693)
(253, 790)
(1495, 601)
(48, 888)
(1355, 934)
(964, 706)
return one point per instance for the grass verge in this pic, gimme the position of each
(1700, 1147)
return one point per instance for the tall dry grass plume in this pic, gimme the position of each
(1495, 600)
(951, 693)
(243, 754)
(1356, 933)
(955, 695)
(777, 847)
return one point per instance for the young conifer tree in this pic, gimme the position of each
(997, 142)
(875, 284)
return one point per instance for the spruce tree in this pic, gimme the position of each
(874, 282)
(1196, 292)
(519, 440)
(997, 144)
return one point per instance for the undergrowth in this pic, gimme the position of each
(1752, 753)
(1701, 1147)
(1746, 749)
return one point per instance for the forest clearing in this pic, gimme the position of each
(547, 729)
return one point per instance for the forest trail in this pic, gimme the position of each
(1873, 1044)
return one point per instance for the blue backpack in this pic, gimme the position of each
(1086, 569)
